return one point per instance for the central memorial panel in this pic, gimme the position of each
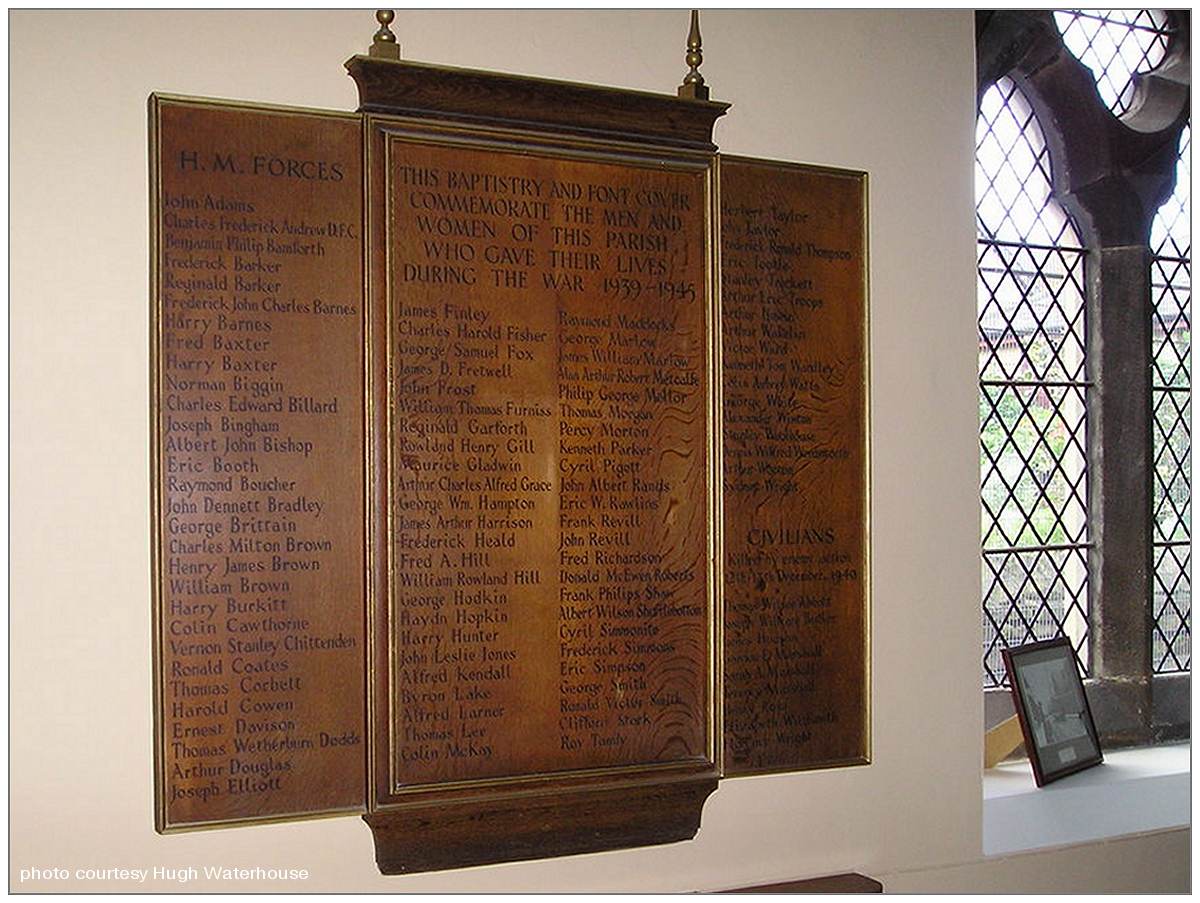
(544, 430)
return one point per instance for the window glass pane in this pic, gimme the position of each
(1115, 44)
(1012, 174)
(1170, 276)
(1032, 405)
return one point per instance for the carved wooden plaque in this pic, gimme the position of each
(257, 429)
(794, 358)
(544, 432)
(435, 458)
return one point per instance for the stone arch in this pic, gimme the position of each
(1111, 173)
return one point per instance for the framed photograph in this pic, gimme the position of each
(1060, 735)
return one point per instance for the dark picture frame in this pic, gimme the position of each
(1048, 694)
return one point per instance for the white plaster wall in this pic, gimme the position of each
(888, 92)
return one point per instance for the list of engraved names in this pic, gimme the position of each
(794, 380)
(548, 463)
(259, 409)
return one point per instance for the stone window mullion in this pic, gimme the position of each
(1120, 440)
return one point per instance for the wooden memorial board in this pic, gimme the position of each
(794, 364)
(258, 489)
(437, 510)
(543, 420)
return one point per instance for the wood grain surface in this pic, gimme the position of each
(257, 409)
(794, 357)
(547, 594)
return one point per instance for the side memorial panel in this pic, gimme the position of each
(794, 357)
(258, 490)
(547, 608)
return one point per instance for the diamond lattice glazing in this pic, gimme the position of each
(1116, 44)
(1171, 330)
(1033, 389)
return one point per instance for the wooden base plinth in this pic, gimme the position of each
(848, 883)
(438, 835)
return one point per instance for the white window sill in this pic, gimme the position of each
(1131, 792)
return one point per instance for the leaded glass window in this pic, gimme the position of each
(1033, 389)
(1171, 284)
(1115, 44)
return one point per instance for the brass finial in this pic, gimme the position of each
(384, 45)
(693, 86)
